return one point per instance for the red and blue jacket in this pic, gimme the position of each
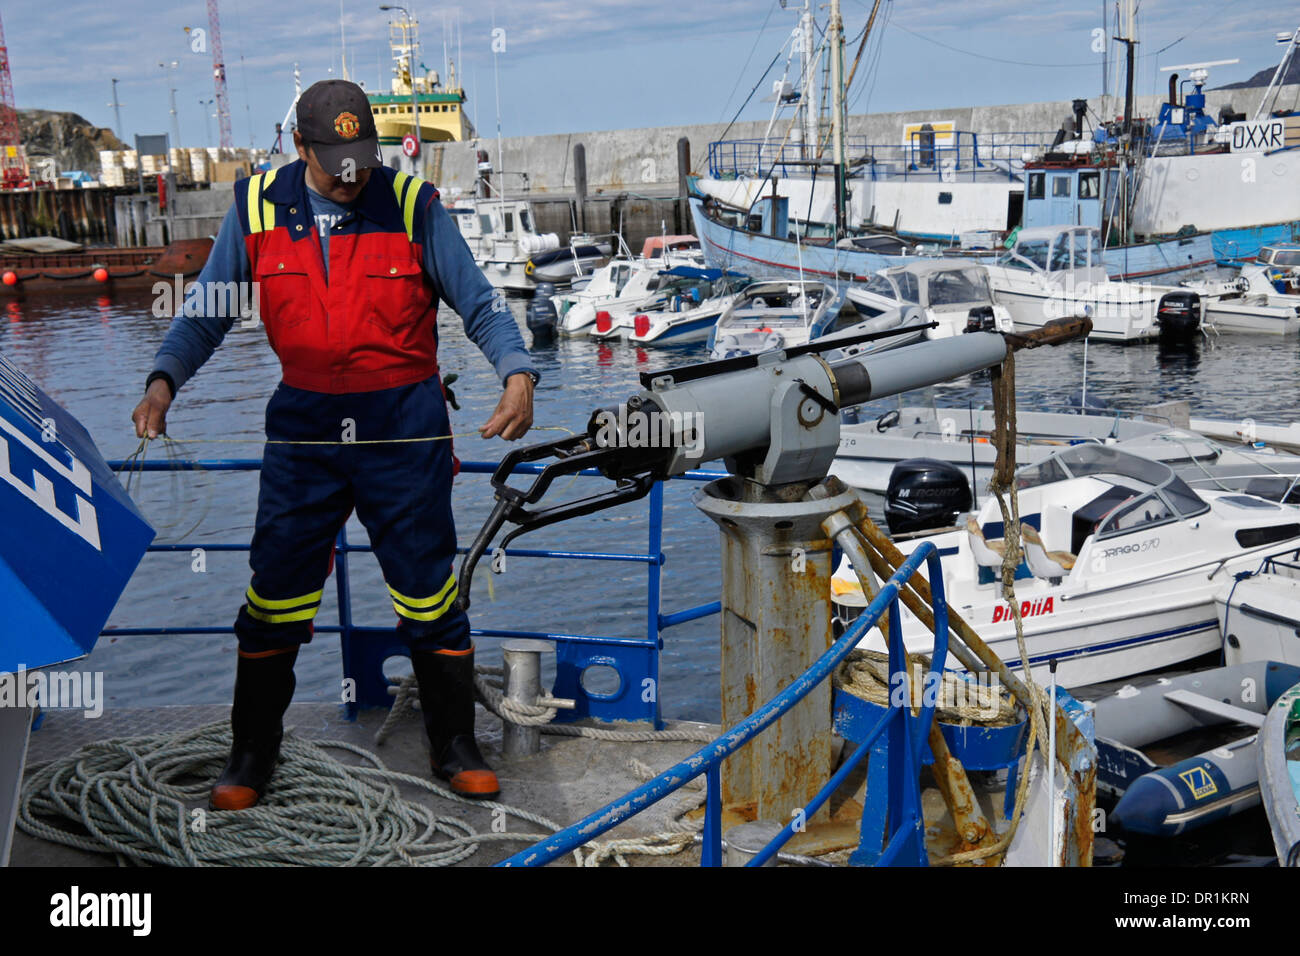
(367, 323)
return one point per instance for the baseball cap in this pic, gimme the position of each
(334, 119)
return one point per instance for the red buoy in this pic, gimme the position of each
(604, 321)
(10, 278)
(641, 324)
(101, 274)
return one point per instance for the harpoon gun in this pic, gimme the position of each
(773, 418)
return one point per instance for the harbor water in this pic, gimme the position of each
(93, 355)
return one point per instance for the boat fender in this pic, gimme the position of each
(1182, 797)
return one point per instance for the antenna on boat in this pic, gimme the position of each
(1292, 40)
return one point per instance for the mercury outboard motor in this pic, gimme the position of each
(925, 494)
(1179, 315)
(541, 317)
(981, 319)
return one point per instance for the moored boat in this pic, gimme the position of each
(1278, 758)
(102, 269)
(1168, 717)
(1122, 562)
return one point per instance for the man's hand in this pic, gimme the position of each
(150, 416)
(514, 414)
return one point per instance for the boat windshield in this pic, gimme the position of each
(957, 286)
(1157, 494)
(881, 285)
(1028, 254)
(1280, 257)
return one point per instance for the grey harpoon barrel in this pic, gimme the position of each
(916, 366)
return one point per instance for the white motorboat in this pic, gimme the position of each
(1250, 302)
(1247, 431)
(1054, 272)
(500, 234)
(1123, 559)
(950, 292)
(696, 298)
(1259, 612)
(964, 437)
(665, 252)
(624, 286)
(777, 314)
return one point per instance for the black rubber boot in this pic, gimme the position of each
(263, 688)
(446, 680)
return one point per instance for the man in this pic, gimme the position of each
(350, 259)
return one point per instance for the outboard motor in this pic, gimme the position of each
(925, 494)
(981, 319)
(1179, 315)
(541, 317)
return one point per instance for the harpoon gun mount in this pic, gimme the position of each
(772, 418)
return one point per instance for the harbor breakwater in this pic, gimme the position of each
(635, 177)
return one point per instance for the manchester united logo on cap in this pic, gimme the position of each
(347, 125)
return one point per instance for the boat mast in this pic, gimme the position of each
(836, 44)
(1279, 75)
(1129, 41)
(808, 86)
(1126, 153)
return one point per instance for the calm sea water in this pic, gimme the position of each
(93, 356)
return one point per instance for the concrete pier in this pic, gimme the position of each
(569, 778)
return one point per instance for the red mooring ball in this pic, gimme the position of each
(10, 278)
(101, 274)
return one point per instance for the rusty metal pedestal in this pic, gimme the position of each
(776, 620)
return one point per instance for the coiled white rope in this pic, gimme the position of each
(144, 800)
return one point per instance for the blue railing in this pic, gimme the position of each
(904, 827)
(365, 648)
(947, 155)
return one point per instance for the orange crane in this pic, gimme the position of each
(13, 158)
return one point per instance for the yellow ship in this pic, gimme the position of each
(442, 117)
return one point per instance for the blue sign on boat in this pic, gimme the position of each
(70, 537)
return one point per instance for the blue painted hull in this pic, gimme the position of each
(760, 256)
(763, 256)
(70, 537)
(1232, 247)
(697, 329)
(1160, 260)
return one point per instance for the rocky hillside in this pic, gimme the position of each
(1263, 77)
(72, 141)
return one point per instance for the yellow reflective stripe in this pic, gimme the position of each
(304, 615)
(428, 615)
(254, 208)
(408, 208)
(268, 207)
(407, 189)
(255, 598)
(424, 602)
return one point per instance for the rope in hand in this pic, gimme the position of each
(139, 452)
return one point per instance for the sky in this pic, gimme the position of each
(577, 65)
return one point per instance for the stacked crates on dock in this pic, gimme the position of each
(119, 167)
(178, 161)
(200, 171)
